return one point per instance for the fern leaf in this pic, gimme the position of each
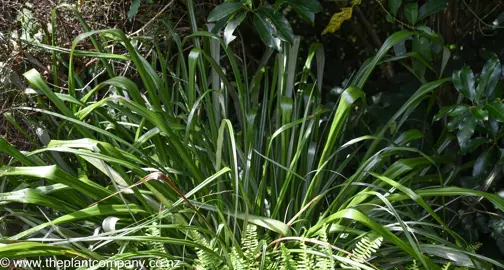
(474, 247)
(305, 261)
(237, 261)
(413, 266)
(205, 261)
(157, 246)
(286, 259)
(324, 263)
(249, 246)
(364, 249)
(446, 266)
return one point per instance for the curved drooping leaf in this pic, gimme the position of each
(34, 196)
(408, 136)
(6, 147)
(348, 97)
(87, 213)
(34, 249)
(57, 175)
(267, 223)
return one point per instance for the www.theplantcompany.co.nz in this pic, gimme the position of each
(72, 263)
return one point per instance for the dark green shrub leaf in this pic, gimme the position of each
(463, 80)
(466, 128)
(453, 110)
(305, 14)
(265, 30)
(492, 126)
(411, 12)
(421, 46)
(394, 6)
(133, 10)
(489, 77)
(483, 164)
(223, 10)
(496, 110)
(231, 27)
(279, 24)
(472, 144)
(479, 113)
(432, 7)
(308, 5)
(400, 48)
(454, 122)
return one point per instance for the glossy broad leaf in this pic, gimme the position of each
(411, 12)
(496, 110)
(489, 78)
(479, 113)
(432, 7)
(452, 110)
(466, 128)
(279, 24)
(265, 30)
(394, 6)
(463, 80)
(483, 164)
(223, 10)
(231, 27)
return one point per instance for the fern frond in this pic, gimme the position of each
(249, 247)
(205, 260)
(305, 261)
(474, 247)
(364, 249)
(413, 266)
(446, 266)
(287, 263)
(237, 260)
(157, 246)
(324, 263)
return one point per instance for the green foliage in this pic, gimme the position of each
(133, 9)
(271, 25)
(486, 110)
(412, 10)
(237, 169)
